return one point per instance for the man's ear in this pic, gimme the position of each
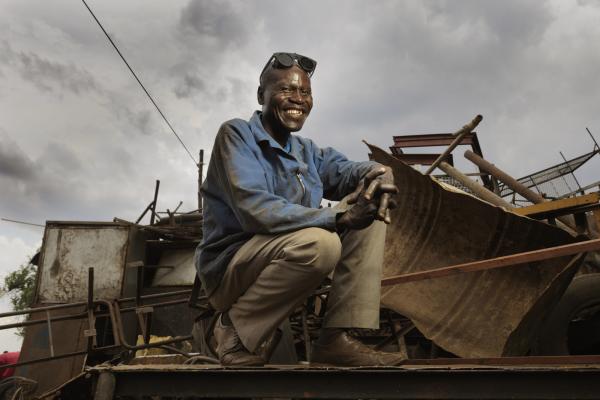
(260, 95)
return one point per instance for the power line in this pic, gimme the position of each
(140, 82)
(21, 222)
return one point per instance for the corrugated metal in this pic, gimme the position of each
(482, 314)
(70, 249)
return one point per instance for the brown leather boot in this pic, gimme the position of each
(230, 349)
(337, 347)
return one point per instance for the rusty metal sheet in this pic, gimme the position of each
(68, 251)
(481, 314)
(66, 337)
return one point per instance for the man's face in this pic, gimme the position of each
(286, 100)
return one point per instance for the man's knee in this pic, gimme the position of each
(317, 248)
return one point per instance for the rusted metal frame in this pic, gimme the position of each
(400, 334)
(562, 205)
(372, 383)
(498, 262)
(420, 158)
(459, 135)
(115, 312)
(143, 313)
(31, 310)
(84, 314)
(578, 214)
(430, 140)
(511, 182)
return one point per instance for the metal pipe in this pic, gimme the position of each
(84, 314)
(476, 188)
(460, 134)
(511, 182)
(498, 262)
(83, 303)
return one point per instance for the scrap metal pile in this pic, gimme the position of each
(107, 290)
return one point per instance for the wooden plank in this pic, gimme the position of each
(498, 262)
(571, 202)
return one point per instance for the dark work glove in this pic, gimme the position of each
(380, 187)
(359, 216)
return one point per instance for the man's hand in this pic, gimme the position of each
(379, 183)
(374, 202)
(359, 216)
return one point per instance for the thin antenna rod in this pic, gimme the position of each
(594, 139)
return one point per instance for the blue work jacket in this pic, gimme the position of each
(254, 186)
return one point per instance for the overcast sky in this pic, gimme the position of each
(80, 141)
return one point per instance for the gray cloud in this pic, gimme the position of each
(48, 75)
(220, 22)
(189, 87)
(14, 163)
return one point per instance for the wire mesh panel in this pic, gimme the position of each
(554, 181)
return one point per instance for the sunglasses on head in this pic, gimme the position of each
(287, 60)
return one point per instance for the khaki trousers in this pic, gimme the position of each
(271, 275)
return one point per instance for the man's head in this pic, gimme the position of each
(285, 94)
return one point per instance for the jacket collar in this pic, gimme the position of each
(259, 132)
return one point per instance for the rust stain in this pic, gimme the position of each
(55, 267)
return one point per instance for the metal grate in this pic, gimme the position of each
(554, 181)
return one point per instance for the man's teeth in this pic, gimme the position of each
(294, 112)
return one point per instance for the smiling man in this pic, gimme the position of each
(267, 242)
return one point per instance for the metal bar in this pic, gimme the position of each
(511, 361)
(430, 140)
(476, 188)
(511, 182)
(421, 159)
(460, 134)
(137, 221)
(84, 314)
(50, 341)
(200, 173)
(388, 383)
(32, 310)
(596, 145)
(498, 262)
(154, 202)
(555, 205)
